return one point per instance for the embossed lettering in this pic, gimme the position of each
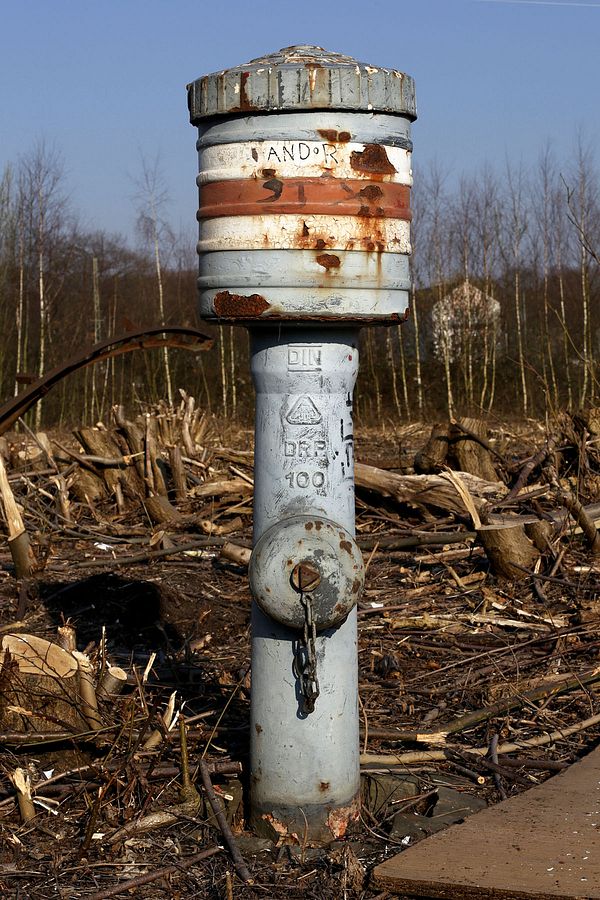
(304, 358)
(304, 449)
(304, 480)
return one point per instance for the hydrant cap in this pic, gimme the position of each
(303, 77)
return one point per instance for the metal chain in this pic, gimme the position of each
(305, 659)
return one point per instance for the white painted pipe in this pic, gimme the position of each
(304, 766)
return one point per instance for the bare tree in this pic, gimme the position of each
(513, 232)
(435, 253)
(45, 221)
(152, 199)
(584, 214)
(485, 214)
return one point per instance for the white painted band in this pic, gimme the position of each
(287, 232)
(293, 159)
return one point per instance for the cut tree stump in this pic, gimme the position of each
(508, 550)
(103, 445)
(470, 455)
(39, 687)
(432, 456)
(542, 844)
(18, 539)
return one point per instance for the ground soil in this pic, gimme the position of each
(440, 637)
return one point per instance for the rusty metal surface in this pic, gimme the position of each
(301, 77)
(543, 844)
(316, 205)
(320, 546)
(148, 339)
(324, 822)
(305, 232)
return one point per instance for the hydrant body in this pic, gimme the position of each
(304, 237)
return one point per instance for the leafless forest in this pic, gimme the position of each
(503, 316)
(479, 625)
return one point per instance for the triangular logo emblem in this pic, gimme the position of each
(304, 412)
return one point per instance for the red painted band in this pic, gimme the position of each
(305, 196)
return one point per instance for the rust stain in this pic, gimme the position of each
(347, 546)
(335, 137)
(313, 73)
(229, 305)
(268, 173)
(255, 154)
(309, 526)
(373, 160)
(339, 819)
(372, 192)
(371, 212)
(277, 826)
(258, 728)
(356, 585)
(328, 261)
(245, 103)
(323, 786)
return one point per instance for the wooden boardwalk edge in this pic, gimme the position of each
(543, 844)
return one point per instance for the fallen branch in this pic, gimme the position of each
(149, 339)
(419, 756)
(133, 883)
(238, 860)
(113, 561)
(516, 701)
(428, 490)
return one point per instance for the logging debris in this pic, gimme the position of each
(478, 677)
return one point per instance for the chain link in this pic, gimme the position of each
(305, 659)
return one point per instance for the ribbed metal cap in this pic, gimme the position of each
(302, 78)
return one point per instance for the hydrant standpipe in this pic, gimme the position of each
(305, 175)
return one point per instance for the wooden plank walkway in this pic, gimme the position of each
(542, 844)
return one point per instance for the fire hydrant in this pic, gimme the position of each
(305, 174)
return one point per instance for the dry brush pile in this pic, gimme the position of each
(125, 677)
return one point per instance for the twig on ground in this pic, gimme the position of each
(238, 860)
(133, 883)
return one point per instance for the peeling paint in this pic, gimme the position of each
(335, 137)
(237, 305)
(373, 159)
(339, 819)
(328, 261)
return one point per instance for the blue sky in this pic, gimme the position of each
(103, 81)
